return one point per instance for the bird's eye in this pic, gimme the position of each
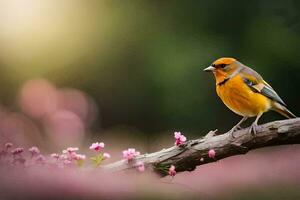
(222, 65)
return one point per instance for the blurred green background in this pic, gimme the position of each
(142, 61)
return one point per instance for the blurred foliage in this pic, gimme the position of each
(142, 61)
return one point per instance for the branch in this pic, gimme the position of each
(195, 152)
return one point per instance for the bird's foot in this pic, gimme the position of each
(235, 128)
(252, 129)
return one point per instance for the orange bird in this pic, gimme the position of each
(245, 92)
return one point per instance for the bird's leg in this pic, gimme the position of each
(237, 126)
(254, 125)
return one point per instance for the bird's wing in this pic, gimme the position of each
(256, 83)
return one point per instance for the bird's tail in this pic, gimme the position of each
(282, 110)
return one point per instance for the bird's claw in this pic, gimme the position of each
(252, 129)
(235, 128)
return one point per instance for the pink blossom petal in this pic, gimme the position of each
(211, 153)
(177, 135)
(179, 138)
(8, 145)
(106, 155)
(172, 171)
(97, 146)
(182, 138)
(80, 157)
(17, 151)
(40, 158)
(130, 154)
(34, 151)
(72, 149)
(54, 155)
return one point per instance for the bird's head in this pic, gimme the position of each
(223, 67)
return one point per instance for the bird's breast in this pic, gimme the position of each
(239, 98)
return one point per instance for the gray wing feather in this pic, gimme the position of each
(266, 90)
(270, 93)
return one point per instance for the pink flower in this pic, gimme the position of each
(97, 146)
(130, 154)
(179, 138)
(69, 153)
(72, 155)
(211, 153)
(54, 155)
(80, 157)
(72, 149)
(106, 155)
(172, 171)
(140, 166)
(8, 145)
(40, 159)
(63, 157)
(16, 151)
(34, 151)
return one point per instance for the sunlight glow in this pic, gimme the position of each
(39, 35)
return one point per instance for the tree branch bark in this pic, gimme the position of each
(195, 152)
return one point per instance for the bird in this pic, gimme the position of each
(245, 92)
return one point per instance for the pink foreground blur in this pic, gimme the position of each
(262, 168)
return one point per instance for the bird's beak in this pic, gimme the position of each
(209, 69)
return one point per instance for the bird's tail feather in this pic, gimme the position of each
(283, 110)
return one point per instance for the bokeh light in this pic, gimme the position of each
(38, 98)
